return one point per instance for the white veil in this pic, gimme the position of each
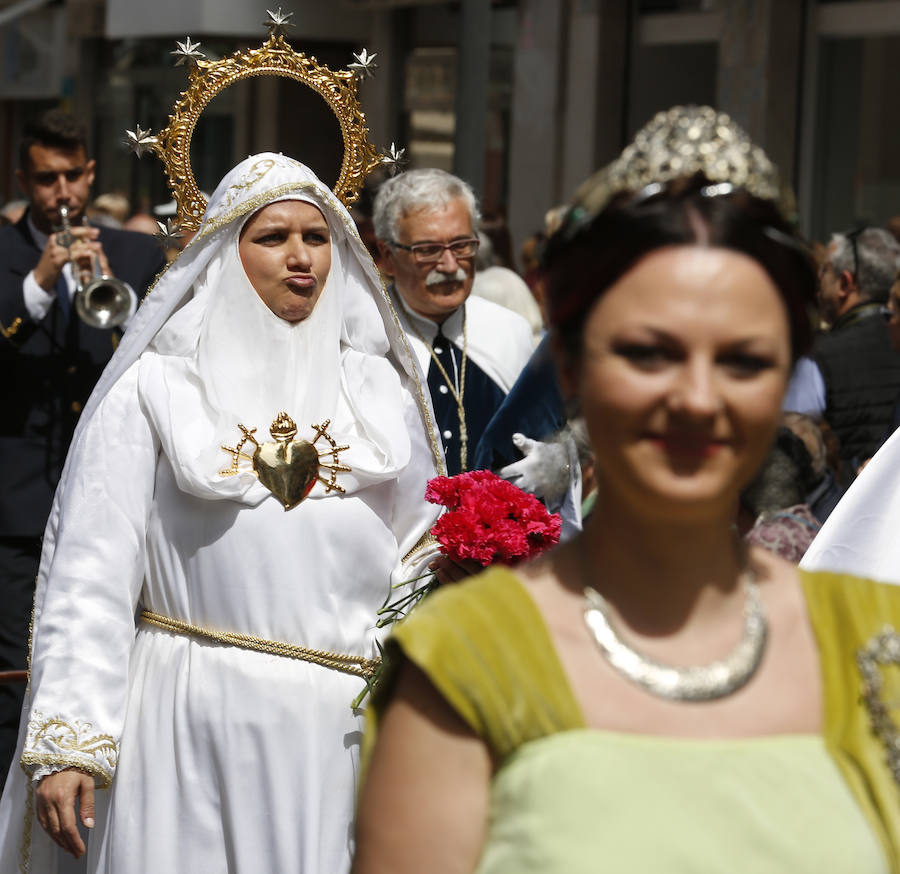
(222, 357)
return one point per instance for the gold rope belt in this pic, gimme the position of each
(348, 664)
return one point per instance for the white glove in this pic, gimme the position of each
(544, 471)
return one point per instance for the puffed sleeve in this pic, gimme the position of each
(484, 647)
(93, 569)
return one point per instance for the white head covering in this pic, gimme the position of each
(214, 356)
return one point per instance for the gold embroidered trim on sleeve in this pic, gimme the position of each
(56, 742)
(31, 761)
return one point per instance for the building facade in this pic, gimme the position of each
(522, 97)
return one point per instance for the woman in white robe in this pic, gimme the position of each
(217, 757)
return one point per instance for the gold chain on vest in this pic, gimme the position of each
(457, 395)
(348, 664)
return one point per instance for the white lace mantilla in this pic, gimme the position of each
(54, 743)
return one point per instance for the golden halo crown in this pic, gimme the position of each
(338, 88)
(679, 143)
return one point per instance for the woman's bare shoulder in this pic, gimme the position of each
(780, 583)
(552, 581)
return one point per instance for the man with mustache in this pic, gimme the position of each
(426, 224)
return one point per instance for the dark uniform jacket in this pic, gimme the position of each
(49, 369)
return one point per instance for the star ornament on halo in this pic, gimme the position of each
(364, 64)
(278, 22)
(394, 159)
(187, 52)
(140, 141)
(168, 234)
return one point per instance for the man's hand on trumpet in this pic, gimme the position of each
(88, 257)
(84, 246)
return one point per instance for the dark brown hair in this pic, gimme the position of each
(53, 129)
(585, 257)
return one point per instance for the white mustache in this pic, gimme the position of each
(437, 278)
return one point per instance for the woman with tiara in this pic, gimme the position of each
(652, 695)
(242, 489)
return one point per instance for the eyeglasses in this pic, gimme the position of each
(431, 253)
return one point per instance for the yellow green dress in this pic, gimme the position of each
(569, 799)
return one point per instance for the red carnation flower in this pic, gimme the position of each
(489, 519)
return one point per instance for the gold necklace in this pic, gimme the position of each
(451, 386)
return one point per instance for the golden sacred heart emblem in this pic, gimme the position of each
(288, 468)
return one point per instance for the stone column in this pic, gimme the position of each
(375, 92)
(760, 63)
(596, 55)
(472, 84)
(568, 102)
(537, 115)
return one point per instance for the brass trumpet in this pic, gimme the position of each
(102, 301)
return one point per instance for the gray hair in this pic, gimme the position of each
(426, 189)
(485, 256)
(878, 259)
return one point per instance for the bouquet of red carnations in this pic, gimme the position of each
(489, 520)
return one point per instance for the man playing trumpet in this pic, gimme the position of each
(50, 359)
